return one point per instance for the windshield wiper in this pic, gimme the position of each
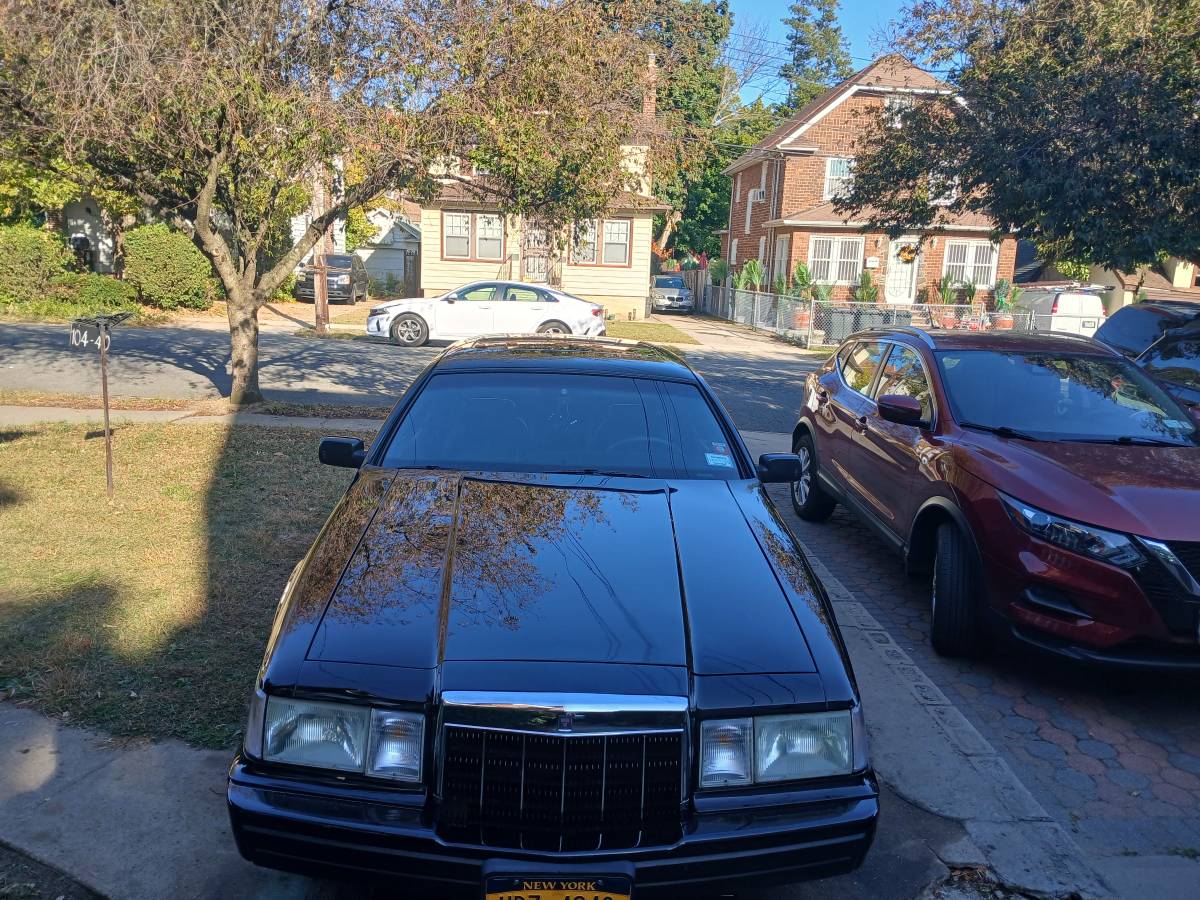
(1002, 430)
(596, 472)
(1132, 441)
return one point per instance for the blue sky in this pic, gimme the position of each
(861, 20)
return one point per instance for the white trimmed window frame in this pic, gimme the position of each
(836, 258)
(839, 176)
(964, 262)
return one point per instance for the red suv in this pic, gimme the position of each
(1047, 484)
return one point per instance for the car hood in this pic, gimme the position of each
(671, 292)
(453, 568)
(1149, 491)
(403, 303)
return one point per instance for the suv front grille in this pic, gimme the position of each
(1188, 553)
(561, 793)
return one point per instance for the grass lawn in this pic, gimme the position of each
(148, 615)
(214, 407)
(648, 331)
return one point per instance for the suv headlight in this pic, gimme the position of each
(1098, 543)
(379, 743)
(343, 279)
(792, 747)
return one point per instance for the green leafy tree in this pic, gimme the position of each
(1073, 123)
(221, 118)
(818, 51)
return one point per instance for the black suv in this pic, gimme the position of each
(1163, 337)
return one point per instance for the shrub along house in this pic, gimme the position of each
(781, 206)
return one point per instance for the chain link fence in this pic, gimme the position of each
(824, 323)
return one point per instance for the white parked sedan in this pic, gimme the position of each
(485, 307)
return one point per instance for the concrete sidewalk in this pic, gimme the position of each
(146, 820)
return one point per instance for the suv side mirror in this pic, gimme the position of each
(348, 453)
(900, 409)
(779, 468)
(450, 298)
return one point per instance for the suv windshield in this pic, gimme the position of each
(673, 281)
(339, 262)
(1064, 397)
(551, 422)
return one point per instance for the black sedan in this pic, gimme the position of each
(1163, 337)
(555, 640)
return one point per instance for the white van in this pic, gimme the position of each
(1076, 309)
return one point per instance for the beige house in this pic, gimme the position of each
(605, 260)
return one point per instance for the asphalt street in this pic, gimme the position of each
(761, 392)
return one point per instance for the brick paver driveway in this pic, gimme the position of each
(1115, 757)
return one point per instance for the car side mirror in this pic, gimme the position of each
(901, 409)
(779, 468)
(450, 298)
(348, 453)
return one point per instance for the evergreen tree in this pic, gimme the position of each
(818, 50)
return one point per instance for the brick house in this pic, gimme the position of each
(781, 209)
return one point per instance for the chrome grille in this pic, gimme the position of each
(588, 786)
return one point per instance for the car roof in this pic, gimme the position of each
(1183, 310)
(948, 339)
(566, 354)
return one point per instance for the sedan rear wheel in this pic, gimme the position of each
(409, 330)
(553, 327)
(955, 627)
(809, 499)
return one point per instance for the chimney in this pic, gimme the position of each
(650, 90)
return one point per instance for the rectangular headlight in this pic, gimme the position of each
(811, 745)
(397, 744)
(311, 733)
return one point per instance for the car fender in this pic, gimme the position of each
(916, 548)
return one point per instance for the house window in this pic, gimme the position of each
(839, 175)
(489, 241)
(456, 235)
(616, 242)
(894, 108)
(487, 230)
(615, 238)
(973, 261)
(836, 259)
(733, 252)
(762, 248)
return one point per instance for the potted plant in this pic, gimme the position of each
(802, 289)
(946, 316)
(867, 292)
(1002, 318)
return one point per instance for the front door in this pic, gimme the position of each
(846, 408)
(520, 310)
(467, 312)
(535, 254)
(900, 283)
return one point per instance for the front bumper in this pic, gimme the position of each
(669, 305)
(345, 832)
(379, 325)
(335, 293)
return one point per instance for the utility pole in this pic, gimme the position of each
(320, 255)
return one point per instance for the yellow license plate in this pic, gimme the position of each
(533, 887)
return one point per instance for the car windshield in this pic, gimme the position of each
(673, 281)
(339, 262)
(1067, 397)
(551, 422)
(1176, 360)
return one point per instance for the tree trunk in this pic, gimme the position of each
(243, 345)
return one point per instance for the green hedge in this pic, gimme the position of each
(166, 269)
(71, 295)
(30, 260)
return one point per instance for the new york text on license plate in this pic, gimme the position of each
(524, 887)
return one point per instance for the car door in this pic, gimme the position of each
(843, 412)
(468, 311)
(891, 452)
(521, 310)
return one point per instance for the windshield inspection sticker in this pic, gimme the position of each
(720, 455)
